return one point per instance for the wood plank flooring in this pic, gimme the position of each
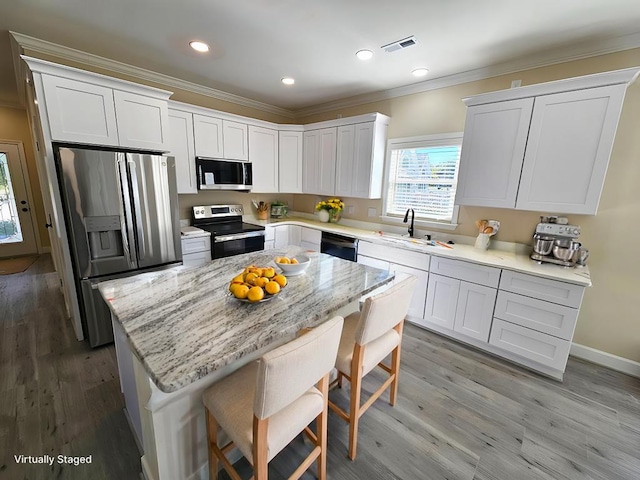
(461, 414)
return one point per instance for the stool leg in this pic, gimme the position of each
(321, 428)
(354, 404)
(212, 434)
(395, 366)
(260, 449)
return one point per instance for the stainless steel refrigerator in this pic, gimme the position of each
(121, 212)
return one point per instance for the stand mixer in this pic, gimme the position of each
(554, 241)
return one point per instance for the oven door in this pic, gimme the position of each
(235, 244)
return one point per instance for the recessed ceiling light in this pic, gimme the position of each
(199, 46)
(364, 54)
(420, 72)
(288, 80)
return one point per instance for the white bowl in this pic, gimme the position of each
(292, 269)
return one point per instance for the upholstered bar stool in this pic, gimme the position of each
(266, 404)
(368, 337)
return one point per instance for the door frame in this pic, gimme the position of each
(22, 158)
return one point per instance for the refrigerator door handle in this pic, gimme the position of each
(128, 229)
(136, 204)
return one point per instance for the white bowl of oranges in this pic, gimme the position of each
(257, 284)
(293, 265)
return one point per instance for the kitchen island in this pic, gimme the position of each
(179, 331)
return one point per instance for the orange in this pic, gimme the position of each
(250, 277)
(284, 260)
(241, 291)
(280, 280)
(272, 287)
(255, 294)
(238, 279)
(294, 261)
(261, 281)
(269, 272)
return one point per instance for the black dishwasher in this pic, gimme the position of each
(339, 246)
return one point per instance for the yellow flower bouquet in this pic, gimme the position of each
(330, 210)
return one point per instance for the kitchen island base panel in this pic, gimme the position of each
(491, 350)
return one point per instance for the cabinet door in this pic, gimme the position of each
(367, 170)
(310, 238)
(263, 155)
(235, 142)
(345, 159)
(442, 301)
(416, 309)
(281, 236)
(196, 259)
(143, 122)
(181, 146)
(290, 162)
(375, 263)
(319, 170)
(295, 235)
(80, 112)
(570, 141)
(475, 310)
(208, 136)
(495, 136)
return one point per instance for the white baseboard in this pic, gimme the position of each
(605, 359)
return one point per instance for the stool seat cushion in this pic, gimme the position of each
(231, 402)
(375, 352)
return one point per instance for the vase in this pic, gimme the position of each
(323, 215)
(335, 215)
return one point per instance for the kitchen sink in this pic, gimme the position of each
(406, 240)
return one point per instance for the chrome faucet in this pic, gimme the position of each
(406, 218)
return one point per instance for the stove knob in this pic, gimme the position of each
(576, 231)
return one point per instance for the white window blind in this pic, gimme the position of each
(423, 175)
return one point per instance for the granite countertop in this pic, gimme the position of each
(514, 259)
(183, 325)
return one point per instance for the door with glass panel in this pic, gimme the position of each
(17, 235)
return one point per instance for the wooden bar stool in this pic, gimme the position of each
(367, 338)
(266, 404)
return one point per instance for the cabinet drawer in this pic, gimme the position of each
(195, 259)
(536, 346)
(545, 317)
(395, 255)
(197, 244)
(542, 288)
(470, 272)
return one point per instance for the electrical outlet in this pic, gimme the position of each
(351, 209)
(372, 212)
(516, 83)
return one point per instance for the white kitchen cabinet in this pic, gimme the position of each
(263, 155)
(181, 146)
(360, 160)
(495, 136)
(570, 141)
(285, 235)
(208, 136)
(319, 165)
(417, 305)
(289, 162)
(310, 238)
(80, 112)
(552, 157)
(235, 140)
(474, 311)
(143, 122)
(196, 250)
(295, 235)
(442, 301)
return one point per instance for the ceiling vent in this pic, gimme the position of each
(400, 44)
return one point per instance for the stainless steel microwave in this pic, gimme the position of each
(223, 174)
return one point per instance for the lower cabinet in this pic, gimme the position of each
(196, 251)
(460, 306)
(310, 239)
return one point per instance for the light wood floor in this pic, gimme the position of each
(460, 414)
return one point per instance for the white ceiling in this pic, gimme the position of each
(257, 42)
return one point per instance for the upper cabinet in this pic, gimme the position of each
(219, 138)
(181, 146)
(319, 165)
(346, 159)
(83, 107)
(263, 155)
(542, 147)
(290, 161)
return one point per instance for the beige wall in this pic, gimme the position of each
(609, 316)
(15, 126)
(226, 198)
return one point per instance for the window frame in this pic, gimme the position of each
(441, 139)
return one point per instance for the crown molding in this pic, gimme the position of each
(67, 53)
(559, 55)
